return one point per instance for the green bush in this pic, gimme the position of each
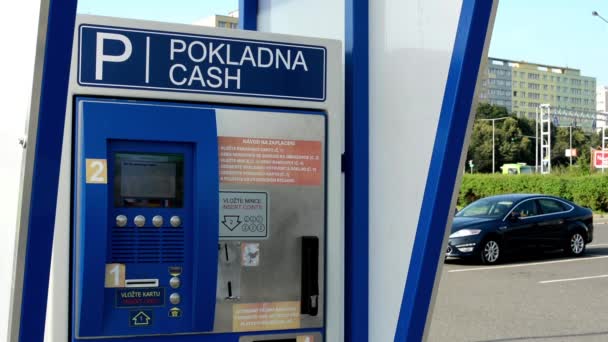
(589, 191)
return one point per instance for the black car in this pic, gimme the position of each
(491, 227)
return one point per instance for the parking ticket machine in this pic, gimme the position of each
(199, 203)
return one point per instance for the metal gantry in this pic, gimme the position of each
(544, 140)
(544, 117)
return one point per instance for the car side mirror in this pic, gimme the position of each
(514, 216)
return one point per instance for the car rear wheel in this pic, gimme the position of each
(576, 244)
(490, 252)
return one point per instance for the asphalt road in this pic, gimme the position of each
(530, 298)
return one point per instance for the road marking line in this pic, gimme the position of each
(572, 279)
(524, 265)
(598, 245)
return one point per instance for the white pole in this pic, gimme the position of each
(571, 145)
(493, 148)
(536, 142)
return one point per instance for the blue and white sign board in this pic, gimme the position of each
(155, 60)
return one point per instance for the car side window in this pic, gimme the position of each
(550, 206)
(527, 209)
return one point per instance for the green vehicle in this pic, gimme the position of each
(517, 169)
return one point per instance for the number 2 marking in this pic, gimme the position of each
(96, 177)
(96, 171)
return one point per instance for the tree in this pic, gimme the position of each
(561, 142)
(515, 141)
(488, 111)
(480, 146)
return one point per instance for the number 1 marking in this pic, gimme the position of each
(115, 275)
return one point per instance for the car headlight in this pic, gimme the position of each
(465, 232)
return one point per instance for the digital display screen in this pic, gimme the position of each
(148, 180)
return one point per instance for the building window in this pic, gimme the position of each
(522, 84)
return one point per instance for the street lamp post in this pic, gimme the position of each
(596, 14)
(493, 137)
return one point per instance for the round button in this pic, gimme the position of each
(157, 221)
(121, 220)
(175, 298)
(176, 221)
(175, 282)
(139, 220)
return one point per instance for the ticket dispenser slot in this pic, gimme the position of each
(145, 219)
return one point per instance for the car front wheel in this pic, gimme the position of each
(490, 252)
(576, 244)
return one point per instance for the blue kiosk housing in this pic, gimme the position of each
(199, 187)
(193, 184)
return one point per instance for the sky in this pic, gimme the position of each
(176, 11)
(555, 32)
(559, 32)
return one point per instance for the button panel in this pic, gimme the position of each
(175, 282)
(121, 220)
(139, 220)
(175, 221)
(175, 298)
(157, 221)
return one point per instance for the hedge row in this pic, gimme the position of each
(588, 191)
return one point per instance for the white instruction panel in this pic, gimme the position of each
(243, 215)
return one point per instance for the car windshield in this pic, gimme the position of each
(487, 207)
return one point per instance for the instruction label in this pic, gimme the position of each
(127, 298)
(243, 215)
(266, 316)
(270, 161)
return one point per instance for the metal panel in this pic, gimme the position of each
(294, 212)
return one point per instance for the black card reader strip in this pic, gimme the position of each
(310, 276)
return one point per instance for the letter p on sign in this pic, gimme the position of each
(101, 57)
